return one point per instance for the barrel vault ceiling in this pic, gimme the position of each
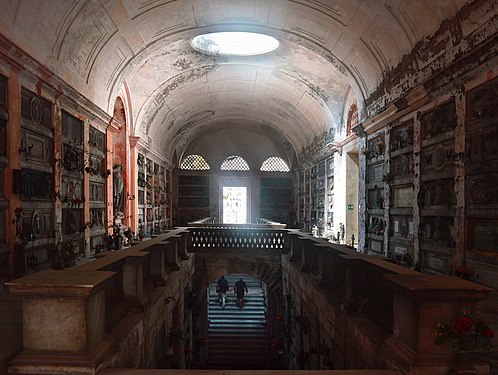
(330, 51)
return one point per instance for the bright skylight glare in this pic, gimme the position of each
(235, 43)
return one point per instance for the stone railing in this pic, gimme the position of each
(68, 314)
(236, 238)
(72, 311)
(405, 304)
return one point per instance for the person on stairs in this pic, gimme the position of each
(240, 287)
(222, 289)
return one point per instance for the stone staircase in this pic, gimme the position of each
(237, 339)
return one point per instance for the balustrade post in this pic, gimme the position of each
(182, 245)
(158, 262)
(63, 321)
(354, 282)
(306, 256)
(172, 254)
(420, 302)
(133, 279)
(294, 246)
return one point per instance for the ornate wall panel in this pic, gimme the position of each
(36, 111)
(3, 93)
(72, 192)
(482, 151)
(439, 120)
(96, 169)
(97, 218)
(97, 192)
(481, 184)
(38, 223)
(482, 105)
(437, 194)
(72, 159)
(436, 231)
(402, 166)
(3, 212)
(36, 185)
(96, 139)
(72, 221)
(3, 137)
(72, 130)
(437, 159)
(36, 148)
(401, 137)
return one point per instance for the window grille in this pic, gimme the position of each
(234, 163)
(195, 162)
(274, 164)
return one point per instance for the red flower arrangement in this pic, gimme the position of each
(467, 334)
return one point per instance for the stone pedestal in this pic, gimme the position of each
(420, 302)
(63, 322)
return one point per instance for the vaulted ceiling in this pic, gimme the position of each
(330, 52)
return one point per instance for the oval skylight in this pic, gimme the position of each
(235, 43)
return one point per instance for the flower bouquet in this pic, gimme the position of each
(466, 334)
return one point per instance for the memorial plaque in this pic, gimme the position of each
(72, 129)
(437, 263)
(35, 110)
(402, 196)
(439, 120)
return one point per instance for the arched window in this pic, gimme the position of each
(194, 162)
(274, 164)
(234, 163)
(353, 119)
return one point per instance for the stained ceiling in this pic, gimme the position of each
(330, 52)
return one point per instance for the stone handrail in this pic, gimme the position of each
(406, 304)
(98, 294)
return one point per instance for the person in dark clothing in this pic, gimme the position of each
(240, 287)
(222, 289)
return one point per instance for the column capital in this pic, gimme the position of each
(133, 140)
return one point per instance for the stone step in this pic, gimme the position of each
(237, 339)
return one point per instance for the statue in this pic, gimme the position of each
(118, 189)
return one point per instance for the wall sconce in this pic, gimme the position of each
(130, 196)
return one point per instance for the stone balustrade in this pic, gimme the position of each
(68, 314)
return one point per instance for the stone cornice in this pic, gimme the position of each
(18, 59)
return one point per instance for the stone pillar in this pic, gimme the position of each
(14, 213)
(63, 322)
(133, 187)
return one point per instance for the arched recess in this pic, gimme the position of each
(121, 174)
